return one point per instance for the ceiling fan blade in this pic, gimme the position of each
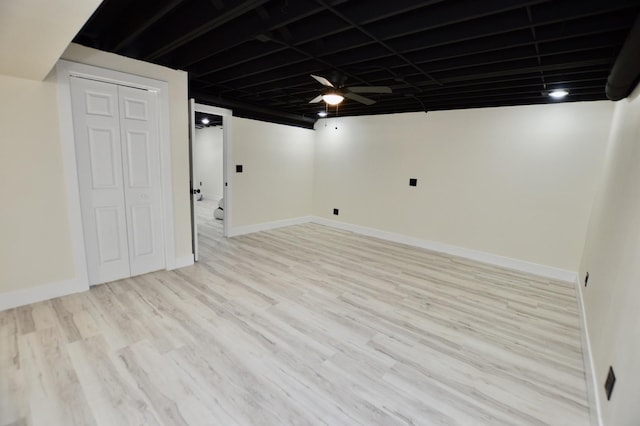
(359, 98)
(370, 89)
(323, 81)
(316, 99)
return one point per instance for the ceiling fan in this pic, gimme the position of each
(333, 95)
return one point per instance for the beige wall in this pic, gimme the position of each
(179, 125)
(514, 181)
(35, 242)
(277, 178)
(612, 258)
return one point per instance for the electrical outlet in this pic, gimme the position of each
(413, 182)
(586, 279)
(335, 211)
(608, 385)
(238, 168)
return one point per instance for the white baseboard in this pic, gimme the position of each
(265, 226)
(182, 262)
(589, 365)
(13, 299)
(16, 298)
(480, 256)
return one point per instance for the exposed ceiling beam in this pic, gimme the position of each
(562, 79)
(173, 39)
(207, 46)
(256, 56)
(302, 120)
(201, 49)
(376, 39)
(140, 19)
(429, 54)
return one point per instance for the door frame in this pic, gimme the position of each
(65, 70)
(226, 115)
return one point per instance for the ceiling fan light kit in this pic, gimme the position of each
(333, 98)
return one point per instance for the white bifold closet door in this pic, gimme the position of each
(117, 151)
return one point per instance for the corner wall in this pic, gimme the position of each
(516, 182)
(612, 258)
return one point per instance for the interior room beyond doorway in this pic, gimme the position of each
(208, 177)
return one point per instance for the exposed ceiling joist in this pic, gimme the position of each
(255, 56)
(196, 24)
(131, 26)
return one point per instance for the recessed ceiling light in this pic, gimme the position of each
(205, 121)
(322, 113)
(558, 94)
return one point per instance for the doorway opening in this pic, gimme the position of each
(209, 186)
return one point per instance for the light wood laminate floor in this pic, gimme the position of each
(303, 325)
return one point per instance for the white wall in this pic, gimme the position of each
(208, 162)
(514, 181)
(277, 178)
(612, 258)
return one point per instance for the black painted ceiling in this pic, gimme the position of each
(255, 56)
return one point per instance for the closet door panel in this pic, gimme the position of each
(96, 120)
(109, 234)
(102, 152)
(143, 196)
(138, 151)
(142, 219)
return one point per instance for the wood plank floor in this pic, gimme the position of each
(303, 325)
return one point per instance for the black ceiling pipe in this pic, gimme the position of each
(626, 70)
